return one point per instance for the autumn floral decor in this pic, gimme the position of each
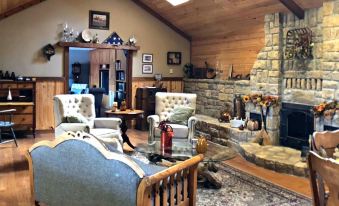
(326, 109)
(263, 100)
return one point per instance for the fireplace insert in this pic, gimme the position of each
(296, 125)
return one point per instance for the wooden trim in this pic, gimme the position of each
(106, 153)
(97, 46)
(152, 79)
(162, 19)
(66, 69)
(294, 8)
(61, 79)
(19, 8)
(31, 177)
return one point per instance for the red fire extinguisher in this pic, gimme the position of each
(166, 138)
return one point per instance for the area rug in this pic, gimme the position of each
(240, 189)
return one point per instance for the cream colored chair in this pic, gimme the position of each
(105, 129)
(164, 105)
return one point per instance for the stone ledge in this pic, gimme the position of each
(277, 158)
(217, 81)
(222, 132)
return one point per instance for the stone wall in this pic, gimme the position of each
(214, 96)
(308, 82)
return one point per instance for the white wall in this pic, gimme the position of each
(24, 34)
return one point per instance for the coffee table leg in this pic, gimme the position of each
(124, 128)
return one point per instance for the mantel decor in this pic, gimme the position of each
(262, 100)
(98, 20)
(326, 109)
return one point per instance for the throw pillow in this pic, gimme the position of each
(181, 114)
(75, 118)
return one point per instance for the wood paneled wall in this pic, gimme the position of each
(172, 85)
(239, 48)
(46, 89)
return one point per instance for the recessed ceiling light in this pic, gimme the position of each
(177, 2)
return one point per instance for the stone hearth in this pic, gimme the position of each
(280, 159)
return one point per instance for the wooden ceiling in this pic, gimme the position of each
(10, 7)
(206, 18)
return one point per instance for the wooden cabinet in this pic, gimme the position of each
(145, 100)
(115, 67)
(46, 89)
(23, 100)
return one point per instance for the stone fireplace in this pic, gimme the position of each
(300, 84)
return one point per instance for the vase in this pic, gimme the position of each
(123, 106)
(201, 146)
(9, 96)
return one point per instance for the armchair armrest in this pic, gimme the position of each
(153, 121)
(111, 123)
(192, 121)
(191, 127)
(73, 127)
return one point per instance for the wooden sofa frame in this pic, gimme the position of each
(176, 185)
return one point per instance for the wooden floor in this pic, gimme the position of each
(14, 180)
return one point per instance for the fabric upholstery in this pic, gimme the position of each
(76, 173)
(73, 105)
(165, 104)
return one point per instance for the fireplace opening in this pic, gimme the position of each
(296, 125)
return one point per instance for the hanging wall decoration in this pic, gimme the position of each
(299, 44)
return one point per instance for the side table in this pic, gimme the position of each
(124, 116)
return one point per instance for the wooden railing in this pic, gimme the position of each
(175, 186)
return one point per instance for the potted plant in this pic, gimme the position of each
(188, 70)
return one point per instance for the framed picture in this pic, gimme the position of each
(147, 58)
(147, 69)
(173, 58)
(98, 20)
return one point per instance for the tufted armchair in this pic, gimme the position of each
(164, 105)
(106, 129)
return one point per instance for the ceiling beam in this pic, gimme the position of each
(294, 8)
(162, 19)
(19, 8)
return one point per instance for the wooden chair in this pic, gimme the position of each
(324, 171)
(6, 123)
(327, 140)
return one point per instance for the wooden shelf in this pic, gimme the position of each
(97, 46)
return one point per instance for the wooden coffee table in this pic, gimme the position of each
(124, 116)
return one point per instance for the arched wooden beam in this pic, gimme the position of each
(19, 8)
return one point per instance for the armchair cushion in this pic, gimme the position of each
(74, 118)
(180, 115)
(180, 131)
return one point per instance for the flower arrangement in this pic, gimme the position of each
(263, 100)
(326, 109)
